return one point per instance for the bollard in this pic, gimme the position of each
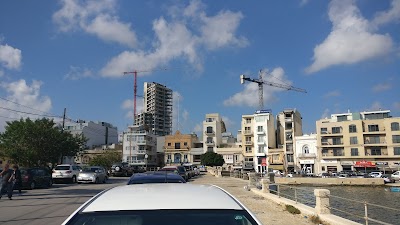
(265, 185)
(219, 172)
(322, 201)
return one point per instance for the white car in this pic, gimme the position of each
(66, 172)
(396, 175)
(376, 174)
(156, 204)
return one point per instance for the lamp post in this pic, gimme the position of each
(145, 158)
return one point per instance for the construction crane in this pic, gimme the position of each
(261, 83)
(135, 72)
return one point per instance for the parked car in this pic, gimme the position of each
(376, 174)
(92, 174)
(155, 177)
(396, 175)
(190, 169)
(36, 177)
(121, 169)
(387, 179)
(66, 172)
(178, 170)
(202, 168)
(157, 204)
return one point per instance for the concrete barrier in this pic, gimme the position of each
(330, 181)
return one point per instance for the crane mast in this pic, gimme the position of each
(260, 82)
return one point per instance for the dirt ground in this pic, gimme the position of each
(268, 212)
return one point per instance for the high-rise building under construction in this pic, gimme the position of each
(157, 115)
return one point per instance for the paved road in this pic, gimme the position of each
(54, 205)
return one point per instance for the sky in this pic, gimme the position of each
(73, 54)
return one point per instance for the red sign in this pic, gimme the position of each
(263, 161)
(364, 163)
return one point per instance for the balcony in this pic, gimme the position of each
(139, 152)
(247, 132)
(248, 143)
(248, 165)
(260, 131)
(210, 143)
(290, 163)
(307, 155)
(261, 142)
(141, 142)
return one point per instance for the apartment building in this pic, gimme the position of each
(158, 104)
(359, 141)
(98, 133)
(305, 153)
(258, 136)
(139, 147)
(177, 148)
(213, 127)
(289, 125)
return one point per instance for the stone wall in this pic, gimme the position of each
(329, 181)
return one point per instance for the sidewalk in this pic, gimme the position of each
(268, 212)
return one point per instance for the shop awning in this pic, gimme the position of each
(364, 163)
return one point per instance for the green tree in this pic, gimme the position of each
(106, 159)
(212, 159)
(38, 142)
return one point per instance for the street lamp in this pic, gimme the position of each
(145, 158)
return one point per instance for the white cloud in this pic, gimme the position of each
(97, 17)
(128, 105)
(350, 41)
(382, 87)
(334, 93)
(228, 123)
(189, 32)
(76, 73)
(393, 14)
(28, 100)
(249, 96)
(304, 2)
(10, 57)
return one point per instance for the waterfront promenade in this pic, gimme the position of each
(267, 211)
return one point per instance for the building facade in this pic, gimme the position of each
(359, 141)
(97, 133)
(157, 103)
(305, 152)
(213, 128)
(177, 148)
(289, 125)
(139, 147)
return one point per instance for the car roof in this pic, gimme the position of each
(156, 177)
(162, 196)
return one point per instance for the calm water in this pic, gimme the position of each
(342, 198)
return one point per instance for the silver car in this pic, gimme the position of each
(92, 174)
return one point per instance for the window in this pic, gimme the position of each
(197, 158)
(373, 140)
(248, 139)
(338, 152)
(354, 151)
(260, 149)
(372, 128)
(185, 143)
(177, 145)
(324, 152)
(248, 150)
(210, 149)
(210, 130)
(324, 141)
(289, 136)
(324, 130)
(209, 140)
(306, 149)
(248, 120)
(236, 158)
(394, 126)
(209, 119)
(260, 129)
(353, 140)
(396, 138)
(341, 118)
(289, 157)
(169, 144)
(352, 128)
(376, 151)
(396, 150)
(337, 141)
(260, 139)
(169, 156)
(335, 130)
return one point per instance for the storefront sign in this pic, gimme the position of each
(382, 163)
(263, 161)
(364, 163)
(328, 161)
(306, 161)
(346, 163)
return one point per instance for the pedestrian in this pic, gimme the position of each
(6, 185)
(17, 179)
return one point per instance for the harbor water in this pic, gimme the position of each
(349, 201)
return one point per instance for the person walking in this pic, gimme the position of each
(16, 178)
(6, 185)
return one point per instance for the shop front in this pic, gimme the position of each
(365, 166)
(262, 164)
(307, 166)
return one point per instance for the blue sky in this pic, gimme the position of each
(72, 54)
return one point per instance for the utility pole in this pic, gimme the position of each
(63, 123)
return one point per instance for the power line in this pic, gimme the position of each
(13, 110)
(24, 105)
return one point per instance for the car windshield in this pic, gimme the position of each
(90, 169)
(62, 168)
(165, 217)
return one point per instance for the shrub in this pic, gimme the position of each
(292, 209)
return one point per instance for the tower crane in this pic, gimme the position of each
(261, 83)
(135, 72)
